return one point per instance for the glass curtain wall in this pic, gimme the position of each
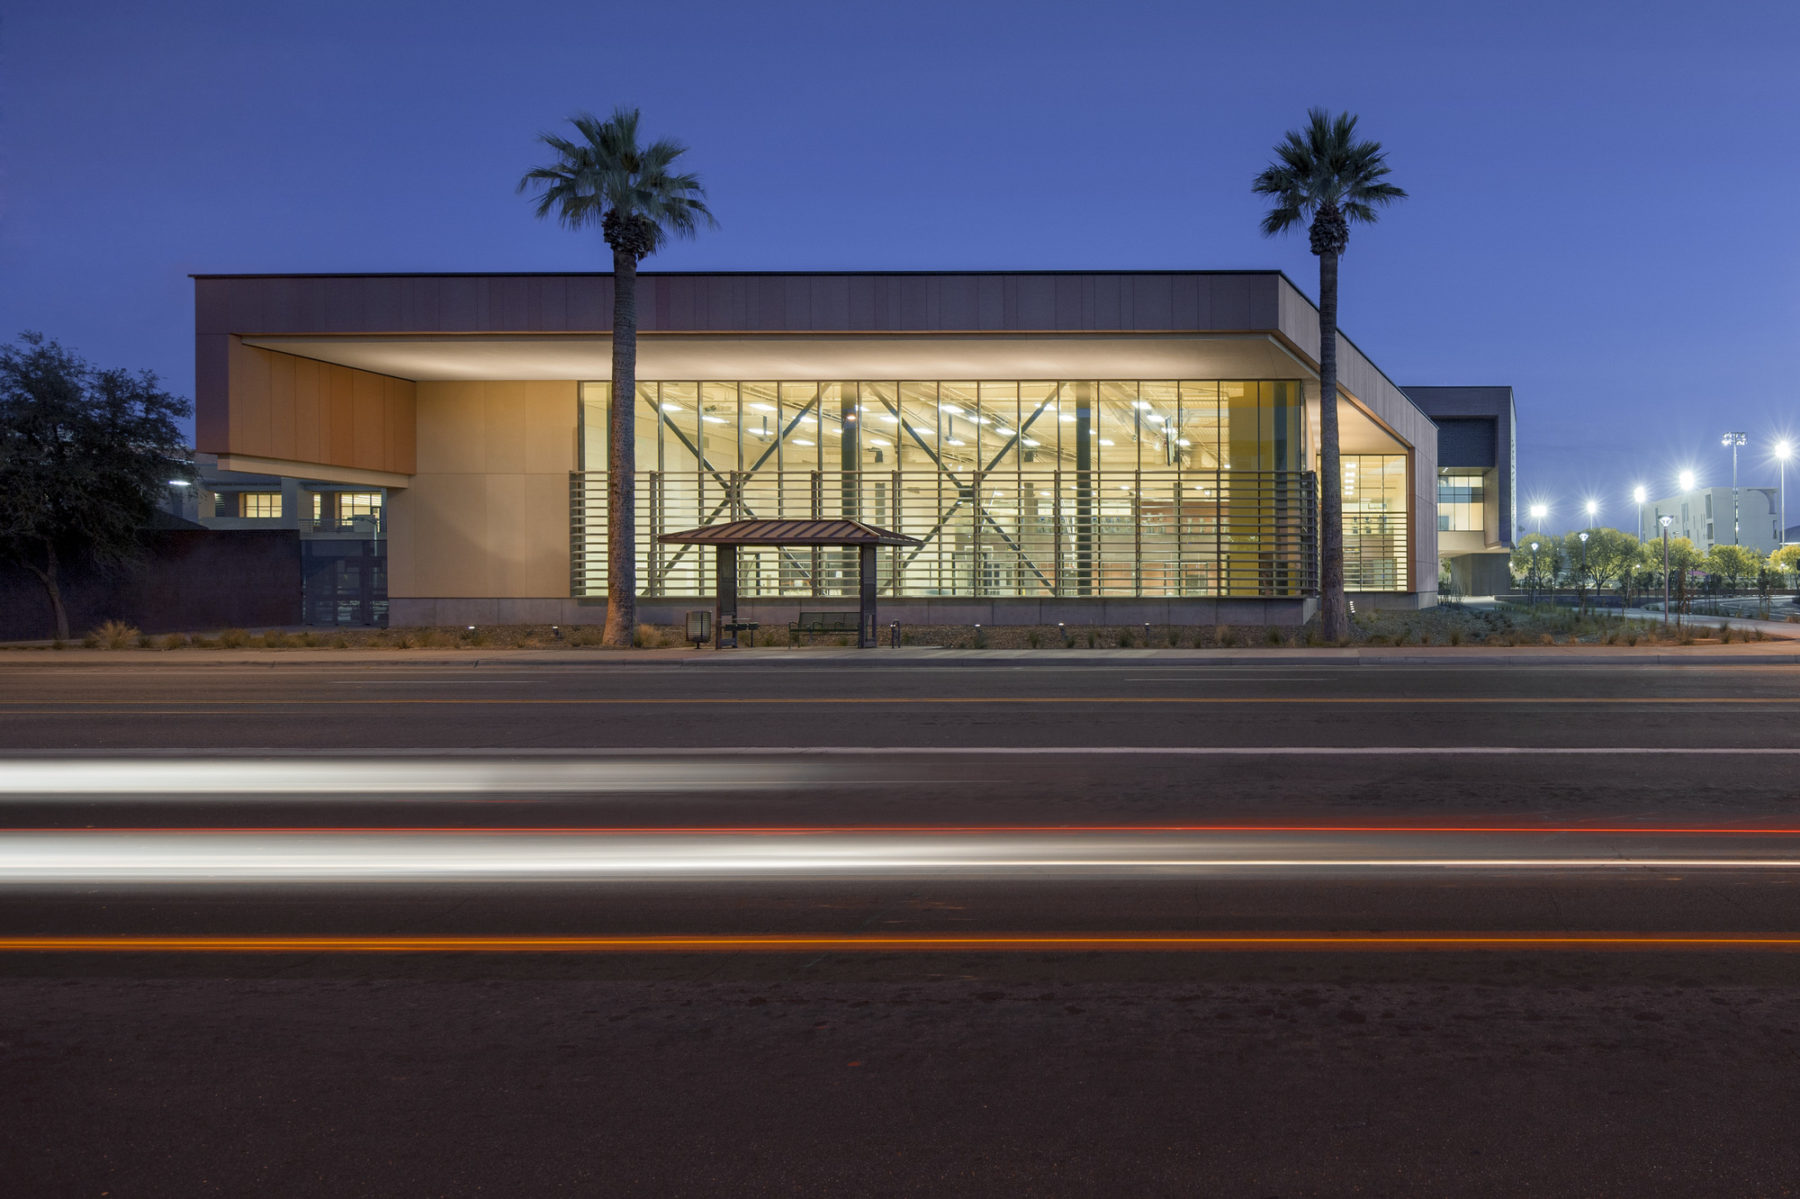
(1016, 488)
(1376, 522)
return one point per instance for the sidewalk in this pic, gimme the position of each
(1770, 653)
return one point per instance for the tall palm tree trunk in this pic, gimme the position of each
(1334, 612)
(621, 459)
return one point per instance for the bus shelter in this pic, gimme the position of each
(728, 538)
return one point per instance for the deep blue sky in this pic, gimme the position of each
(1603, 206)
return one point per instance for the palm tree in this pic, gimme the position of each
(1322, 174)
(604, 177)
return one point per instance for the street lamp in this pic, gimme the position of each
(1584, 574)
(1534, 574)
(1592, 506)
(1782, 451)
(1734, 440)
(1686, 480)
(1665, 522)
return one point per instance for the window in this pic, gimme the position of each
(260, 505)
(358, 503)
(1459, 502)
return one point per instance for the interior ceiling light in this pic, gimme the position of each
(762, 407)
(671, 407)
(715, 420)
(800, 441)
(1106, 441)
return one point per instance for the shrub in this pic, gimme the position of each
(1093, 638)
(1125, 641)
(1174, 637)
(305, 638)
(1034, 639)
(143, 641)
(340, 642)
(233, 638)
(645, 637)
(114, 634)
(174, 641)
(1456, 637)
(275, 639)
(1272, 635)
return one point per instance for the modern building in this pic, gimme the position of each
(1705, 517)
(1069, 446)
(1477, 492)
(342, 539)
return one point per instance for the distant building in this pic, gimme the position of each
(1704, 516)
(342, 530)
(1477, 492)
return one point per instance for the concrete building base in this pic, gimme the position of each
(1392, 601)
(937, 610)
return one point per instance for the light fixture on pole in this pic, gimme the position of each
(1685, 480)
(1592, 507)
(1534, 574)
(1734, 440)
(1783, 450)
(1665, 522)
(1539, 511)
(1584, 574)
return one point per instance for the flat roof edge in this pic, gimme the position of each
(694, 274)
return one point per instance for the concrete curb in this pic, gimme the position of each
(1753, 654)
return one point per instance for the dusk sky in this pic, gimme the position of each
(1603, 207)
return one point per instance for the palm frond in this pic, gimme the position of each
(1323, 164)
(605, 170)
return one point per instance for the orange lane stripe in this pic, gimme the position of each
(875, 942)
(810, 830)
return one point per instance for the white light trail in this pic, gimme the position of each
(39, 859)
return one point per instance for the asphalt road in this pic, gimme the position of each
(783, 928)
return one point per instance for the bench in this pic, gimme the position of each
(824, 622)
(746, 627)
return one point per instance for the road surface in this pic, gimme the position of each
(790, 928)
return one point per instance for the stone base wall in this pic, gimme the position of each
(944, 610)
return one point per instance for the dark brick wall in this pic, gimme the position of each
(190, 580)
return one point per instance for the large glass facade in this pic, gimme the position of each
(1016, 488)
(1377, 521)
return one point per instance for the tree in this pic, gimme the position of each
(1733, 564)
(1611, 554)
(633, 193)
(1536, 567)
(85, 454)
(1323, 175)
(1786, 559)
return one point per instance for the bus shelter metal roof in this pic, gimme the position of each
(789, 533)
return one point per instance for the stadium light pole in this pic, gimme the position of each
(1734, 440)
(1783, 450)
